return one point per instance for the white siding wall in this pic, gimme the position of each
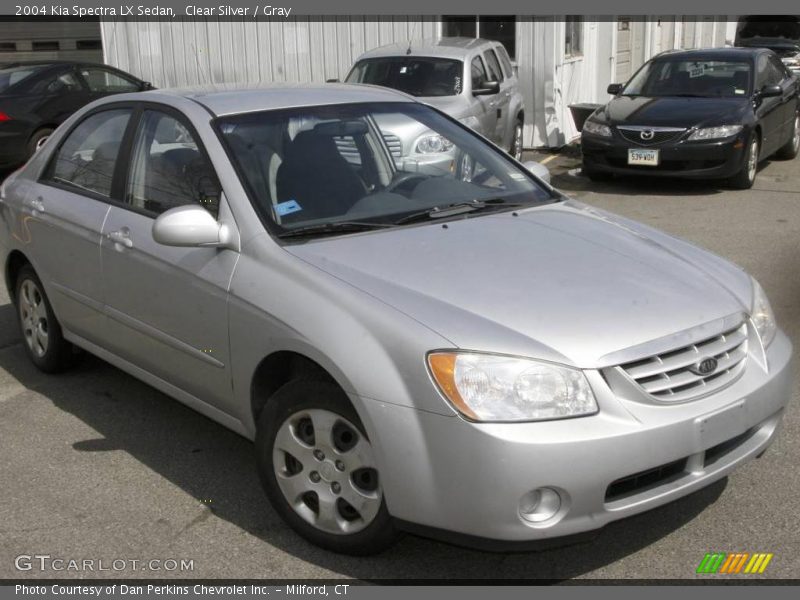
(182, 52)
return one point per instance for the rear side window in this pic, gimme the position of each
(12, 76)
(495, 73)
(87, 158)
(168, 168)
(107, 82)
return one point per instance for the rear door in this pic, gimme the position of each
(167, 306)
(58, 94)
(483, 106)
(65, 211)
(503, 130)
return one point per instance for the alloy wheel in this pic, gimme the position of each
(752, 161)
(326, 470)
(41, 142)
(33, 317)
(516, 148)
(796, 140)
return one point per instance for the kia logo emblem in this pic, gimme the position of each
(647, 134)
(704, 367)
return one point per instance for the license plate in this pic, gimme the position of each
(722, 425)
(648, 158)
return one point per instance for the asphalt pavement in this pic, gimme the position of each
(98, 466)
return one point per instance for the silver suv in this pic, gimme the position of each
(470, 79)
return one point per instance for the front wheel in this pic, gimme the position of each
(38, 140)
(791, 148)
(318, 468)
(746, 177)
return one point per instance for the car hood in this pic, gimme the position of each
(672, 111)
(562, 282)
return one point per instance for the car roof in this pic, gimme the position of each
(712, 54)
(446, 47)
(229, 99)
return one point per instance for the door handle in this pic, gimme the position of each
(122, 236)
(508, 94)
(35, 205)
(492, 103)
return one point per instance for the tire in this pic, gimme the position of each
(515, 150)
(746, 177)
(38, 139)
(595, 176)
(300, 472)
(791, 148)
(41, 331)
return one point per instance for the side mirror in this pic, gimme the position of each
(190, 225)
(146, 85)
(333, 80)
(538, 170)
(771, 91)
(488, 88)
(614, 88)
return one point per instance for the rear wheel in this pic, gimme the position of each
(41, 332)
(790, 149)
(318, 469)
(516, 142)
(38, 139)
(746, 177)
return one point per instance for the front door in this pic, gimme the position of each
(167, 306)
(483, 106)
(504, 126)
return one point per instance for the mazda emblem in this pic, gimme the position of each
(704, 367)
(647, 134)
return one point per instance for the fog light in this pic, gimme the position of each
(539, 505)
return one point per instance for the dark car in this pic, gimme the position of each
(706, 114)
(35, 97)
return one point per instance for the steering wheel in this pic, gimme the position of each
(402, 179)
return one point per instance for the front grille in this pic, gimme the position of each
(645, 480)
(394, 144)
(348, 149)
(669, 376)
(660, 136)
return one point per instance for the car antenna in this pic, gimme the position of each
(411, 38)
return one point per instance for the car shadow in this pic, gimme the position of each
(569, 178)
(209, 462)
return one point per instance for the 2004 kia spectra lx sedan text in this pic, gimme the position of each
(470, 355)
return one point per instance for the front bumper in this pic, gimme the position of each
(446, 473)
(697, 160)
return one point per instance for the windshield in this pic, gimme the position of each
(373, 164)
(13, 75)
(704, 78)
(412, 74)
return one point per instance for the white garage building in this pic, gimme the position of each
(561, 60)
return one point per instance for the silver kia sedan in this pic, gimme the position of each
(478, 359)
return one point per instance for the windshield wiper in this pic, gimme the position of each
(332, 228)
(452, 210)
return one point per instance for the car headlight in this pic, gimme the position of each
(433, 143)
(596, 129)
(715, 133)
(762, 315)
(488, 387)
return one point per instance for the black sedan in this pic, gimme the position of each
(35, 97)
(706, 114)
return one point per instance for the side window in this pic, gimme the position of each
(495, 73)
(478, 73)
(87, 157)
(59, 84)
(777, 68)
(103, 81)
(507, 67)
(168, 169)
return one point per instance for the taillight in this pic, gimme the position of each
(4, 117)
